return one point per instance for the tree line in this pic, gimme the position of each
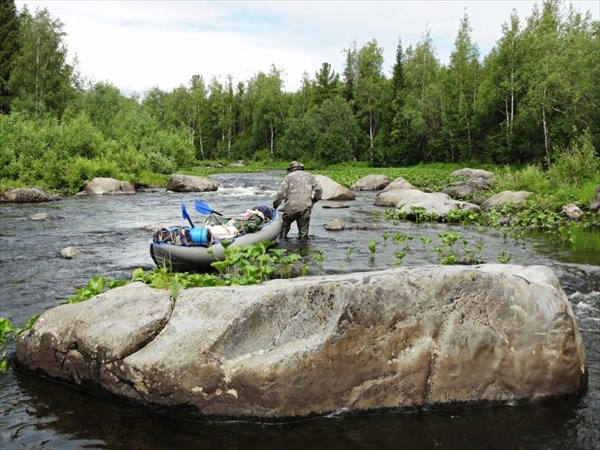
(535, 93)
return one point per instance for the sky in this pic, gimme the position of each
(137, 45)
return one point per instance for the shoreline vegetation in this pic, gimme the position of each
(531, 105)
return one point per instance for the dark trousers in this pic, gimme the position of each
(301, 218)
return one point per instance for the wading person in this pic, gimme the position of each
(300, 191)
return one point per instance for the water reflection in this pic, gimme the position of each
(58, 413)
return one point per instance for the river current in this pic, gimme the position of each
(113, 234)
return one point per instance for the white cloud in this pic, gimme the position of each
(137, 45)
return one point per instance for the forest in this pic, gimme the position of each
(534, 96)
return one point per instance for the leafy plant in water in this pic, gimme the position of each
(504, 257)
(319, 257)
(449, 238)
(479, 247)
(449, 259)
(418, 213)
(7, 331)
(96, 286)
(372, 247)
(448, 251)
(400, 237)
(248, 264)
(286, 261)
(399, 257)
(349, 251)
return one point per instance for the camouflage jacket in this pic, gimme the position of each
(299, 190)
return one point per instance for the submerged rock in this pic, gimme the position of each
(400, 338)
(474, 173)
(43, 216)
(189, 183)
(513, 198)
(371, 183)
(332, 190)
(70, 252)
(436, 203)
(27, 195)
(107, 186)
(335, 225)
(398, 183)
(572, 211)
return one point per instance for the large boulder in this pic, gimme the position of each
(436, 203)
(333, 190)
(107, 186)
(26, 195)
(468, 187)
(390, 195)
(371, 183)
(572, 211)
(399, 338)
(189, 183)
(473, 173)
(398, 183)
(512, 198)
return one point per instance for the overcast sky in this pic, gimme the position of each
(137, 45)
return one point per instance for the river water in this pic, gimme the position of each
(114, 233)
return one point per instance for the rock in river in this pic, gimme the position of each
(399, 338)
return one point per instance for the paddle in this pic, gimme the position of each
(185, 214)
(203, 208)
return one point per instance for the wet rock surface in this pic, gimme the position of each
(399, 338)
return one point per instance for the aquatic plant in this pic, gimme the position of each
(349, 251)
(319, 257)
(7, 332)
(399, 257)
(372, 247)
(96, 285)
(504, 257)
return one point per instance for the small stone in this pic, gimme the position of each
(335, 225)
(43, 216)
(69, 252)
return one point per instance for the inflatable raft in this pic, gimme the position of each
(197, 258)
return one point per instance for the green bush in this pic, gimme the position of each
(530, 178)
(80, 170)
(576, 164)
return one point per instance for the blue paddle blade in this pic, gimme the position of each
(203, 208)
(185, 214)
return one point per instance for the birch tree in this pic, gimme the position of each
(42, 79)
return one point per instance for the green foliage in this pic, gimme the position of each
(504, 257)
(41, 81)
(372, 247)
(96, 286)
(577, 164)
(7, 331)
(531, 178)
(527, 102)
(245, 265)
(9, 48)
